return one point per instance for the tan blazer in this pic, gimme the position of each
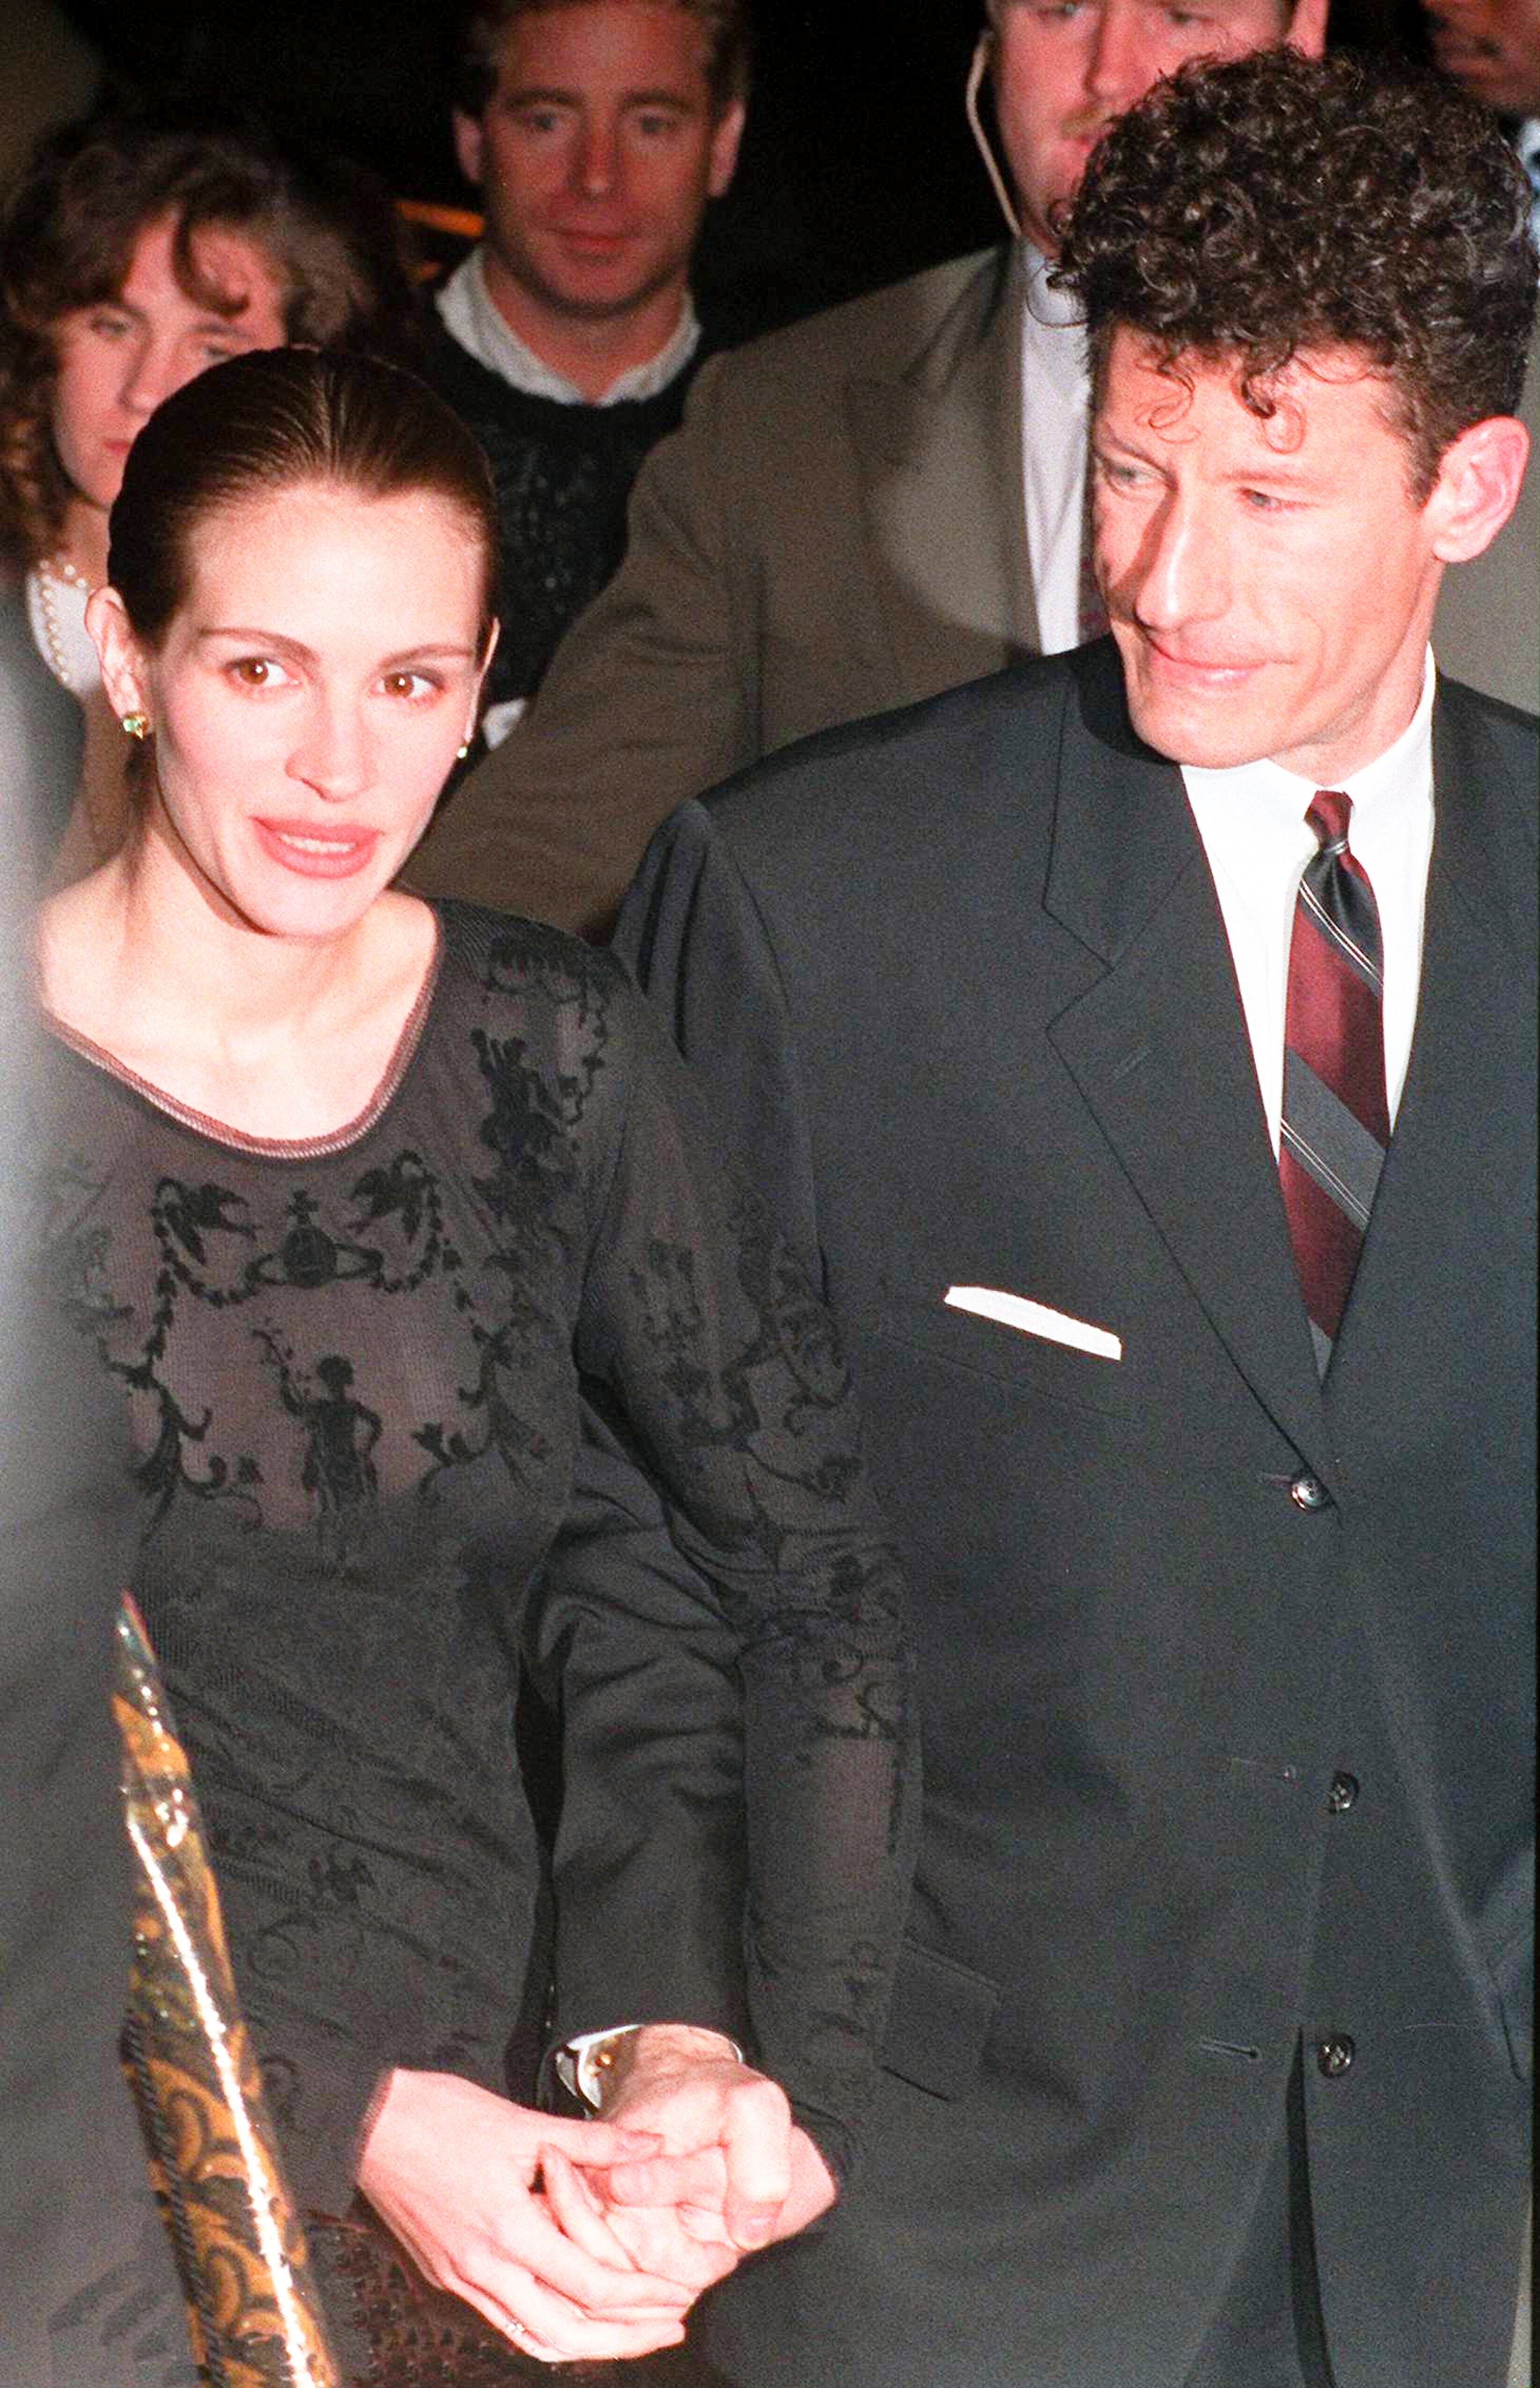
(838, 529)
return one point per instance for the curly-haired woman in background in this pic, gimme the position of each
(141, 245)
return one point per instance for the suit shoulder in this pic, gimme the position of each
(904, 778)
(879, 333)
(1510, 721)
(1504, 733)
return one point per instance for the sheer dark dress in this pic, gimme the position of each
(507, 1375)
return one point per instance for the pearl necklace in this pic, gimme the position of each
(52, 574)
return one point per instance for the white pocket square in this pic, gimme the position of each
(1035, 1319)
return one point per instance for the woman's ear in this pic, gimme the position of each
(125, 678)
(488, 651)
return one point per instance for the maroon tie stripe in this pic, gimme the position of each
(1336, 1119)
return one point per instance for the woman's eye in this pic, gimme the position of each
(409, 684)
(257, 671)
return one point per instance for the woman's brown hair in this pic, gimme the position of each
(68, 235)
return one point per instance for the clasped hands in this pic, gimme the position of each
(591, 2240)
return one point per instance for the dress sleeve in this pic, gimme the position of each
(706, 1350)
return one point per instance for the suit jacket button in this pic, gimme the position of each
(1334, 2056)
(1308, 1492)
(1344, 1791)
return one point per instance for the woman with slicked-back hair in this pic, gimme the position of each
(453, 1359)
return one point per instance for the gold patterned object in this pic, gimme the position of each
(254, 2310)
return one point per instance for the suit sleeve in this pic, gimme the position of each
(699, 1329)
(690, 934)
(652, 697)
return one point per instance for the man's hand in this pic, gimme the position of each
(453, 2169)
(734, 2172)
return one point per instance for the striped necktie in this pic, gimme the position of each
(1336, 1119)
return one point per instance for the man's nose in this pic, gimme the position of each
(598, 158)
(1120, 67)
(1180, 571)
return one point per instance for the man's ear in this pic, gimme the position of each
(726, 133)
(1479, 478)
(469, 144)
(1307, 31)
(124, 678)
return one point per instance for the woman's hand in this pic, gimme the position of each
(732, 2171)
(453, 2169)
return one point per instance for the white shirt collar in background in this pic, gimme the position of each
(1527, 143)
(1252, 822)
(471, 316)
(1055, 410)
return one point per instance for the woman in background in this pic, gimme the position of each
(446, 1345)
(142, 244)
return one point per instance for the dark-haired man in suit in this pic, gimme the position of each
(1141, 1045)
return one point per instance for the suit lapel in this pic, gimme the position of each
(939, 451)
(1158, 1047)
(1463, 1146)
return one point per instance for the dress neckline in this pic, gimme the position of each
(236, 1140)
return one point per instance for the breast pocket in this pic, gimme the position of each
(1028, 1363)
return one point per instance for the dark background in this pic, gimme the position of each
(858, 166)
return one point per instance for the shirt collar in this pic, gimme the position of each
(471, 316)
(1046, 302)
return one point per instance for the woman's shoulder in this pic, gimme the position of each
(515, 994)
(501, 966)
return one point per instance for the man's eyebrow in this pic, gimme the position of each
(536, 94)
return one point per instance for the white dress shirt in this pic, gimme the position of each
(1252, 822)
(1055, 410)
(472, 316)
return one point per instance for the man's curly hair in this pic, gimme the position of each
(1274, 204)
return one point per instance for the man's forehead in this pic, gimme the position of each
(1137, 360)
(542, 29)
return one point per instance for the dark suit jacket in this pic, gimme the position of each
(838, 529)
(962, 979)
